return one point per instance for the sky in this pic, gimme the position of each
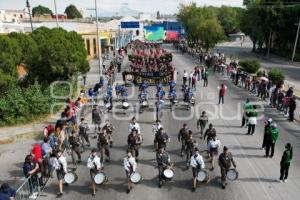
(147, 6)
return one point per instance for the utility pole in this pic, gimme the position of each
(98, 39)
(56, 16)
(296, 42)
(29, 12)
(269, 44)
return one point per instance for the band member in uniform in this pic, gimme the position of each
(182, 136)
(189, 146)
(83, 128)
(156, 126)
(134, 124)
(163, 162)
(130, 167)
(96, 118)
(213, 147)
(134, 142)
(225, 160)
(61, 170)
(109, 129)
(75, 147)
(95, 166)
(209, 133)
(197, 164)
(161, 139)
(103, 141)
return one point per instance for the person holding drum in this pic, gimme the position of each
(182, 136)
(163, 162)
(161, 139)
(95, 166)
(61, 167)
(209, 133)
(225, 160)
(134, 124)
(130, 168)
(213, 147)
(197, 164)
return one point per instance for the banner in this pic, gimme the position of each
(154, 33)
(150, 77)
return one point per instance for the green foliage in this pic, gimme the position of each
(41, 10)
(10, 57)
(201, 24)
(263, 19)
(22, 105)
(28, 47)
(72, 12)
(276, 76)
(250, 65)
(61, 55)
(229, 18)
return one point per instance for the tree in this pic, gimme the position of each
(229, 18)
(41, 10)
(28, 47)
(201, 25)
(61, 55)
(10, 57)
(158, 15)
(72, 12)
(276, 76)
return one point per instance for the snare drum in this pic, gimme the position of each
(135, 177)
(70, 177)
(168, 174)
(202, 176)
(145, 103)
(100, 178)
(232, 174)
(107, 106)
(125, 105)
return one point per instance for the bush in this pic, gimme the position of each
(276, 76)
(22, 105)
(250, 65)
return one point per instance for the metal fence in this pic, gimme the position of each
(32, 187)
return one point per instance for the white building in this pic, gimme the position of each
(12, 15)
(137, 33)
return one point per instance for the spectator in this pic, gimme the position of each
(30, 169)
(292, 108)
(7, 193)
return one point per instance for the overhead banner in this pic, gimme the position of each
(130, 24)
(150, 77)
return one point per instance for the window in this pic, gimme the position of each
(88, 46)
(95, 46)
(137, 32)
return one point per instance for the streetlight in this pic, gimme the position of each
(296, 41)
(99, 49)
(29, 12)
(56, 17)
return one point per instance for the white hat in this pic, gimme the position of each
(270, 120)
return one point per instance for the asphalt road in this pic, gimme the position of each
(257, 175)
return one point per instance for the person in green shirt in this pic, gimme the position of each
(271, 137)
(247, 106)
(285, 162)
(252, 121)
(205, 78)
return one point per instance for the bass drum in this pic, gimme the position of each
(70, 177)
(232, 174)
(202, 176)
(100, 178)
(168, 174)
(135, 177)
